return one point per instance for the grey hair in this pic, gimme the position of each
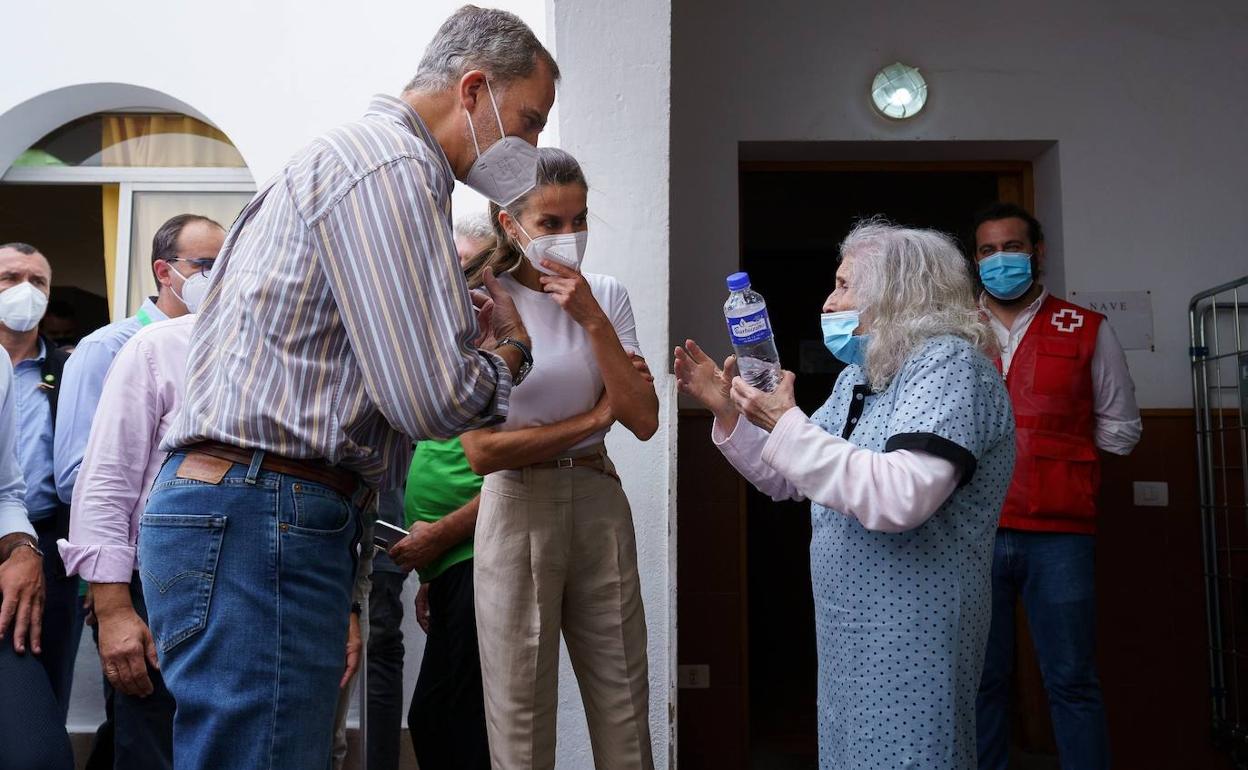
(493, 41)
(911, 285)
(476, 227)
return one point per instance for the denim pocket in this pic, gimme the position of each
(317, 509)
(178, 567)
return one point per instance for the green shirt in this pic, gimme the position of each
(439, 482)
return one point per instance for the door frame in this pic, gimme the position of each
(1015, 184)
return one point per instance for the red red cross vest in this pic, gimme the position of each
(1056, 469)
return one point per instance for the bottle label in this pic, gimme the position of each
(749, 329)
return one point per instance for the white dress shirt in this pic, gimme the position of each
(1118, 424)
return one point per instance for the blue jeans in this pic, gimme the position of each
(1054, 574)
(248, 587)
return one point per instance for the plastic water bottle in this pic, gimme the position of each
(750, 330)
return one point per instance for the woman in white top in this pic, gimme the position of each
(555, 548)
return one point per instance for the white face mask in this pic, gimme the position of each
(507, 169)
(568, 249)
(194, 289)
(22, 307)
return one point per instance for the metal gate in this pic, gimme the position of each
(1218, 320)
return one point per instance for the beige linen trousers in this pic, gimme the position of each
(555, 551)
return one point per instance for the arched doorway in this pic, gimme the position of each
(87, 175)
(91, 192)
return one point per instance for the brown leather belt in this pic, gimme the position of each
(596, 461)
(342, 481)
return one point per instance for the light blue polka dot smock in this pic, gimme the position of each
(902, 618)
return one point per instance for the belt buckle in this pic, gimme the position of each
(563, 462)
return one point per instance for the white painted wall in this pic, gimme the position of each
(1144, 189)
(270, 75)
(614, 107)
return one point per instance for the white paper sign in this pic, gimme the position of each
(1130, 313)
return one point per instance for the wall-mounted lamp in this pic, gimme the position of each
(899, 91)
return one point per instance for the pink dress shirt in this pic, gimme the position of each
(141, 396)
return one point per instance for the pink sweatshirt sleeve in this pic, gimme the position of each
(886, 491)
(743, 448)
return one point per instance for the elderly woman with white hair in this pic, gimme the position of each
(906, 467)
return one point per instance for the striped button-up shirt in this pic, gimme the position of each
(338, 325)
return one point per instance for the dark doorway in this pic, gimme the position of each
(65, 222)
(793, 216)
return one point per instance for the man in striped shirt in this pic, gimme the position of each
(337, 330)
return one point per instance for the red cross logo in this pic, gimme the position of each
(1067, 320)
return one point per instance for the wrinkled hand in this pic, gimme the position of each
(355, 646)
(422, 607)
(126, 647)
(504, 318)
(760, 407)
(698, 376)
(571, 291)
(21, 599)
(420, 548)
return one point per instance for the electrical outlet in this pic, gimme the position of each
(694, 677)
(1151, 493)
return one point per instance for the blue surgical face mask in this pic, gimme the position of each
(1006, 274)
(839, 338)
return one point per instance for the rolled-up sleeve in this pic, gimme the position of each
(12, 485)
(102, 532)
(1118, 425)
(388, 253)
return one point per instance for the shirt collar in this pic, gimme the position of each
(153, 311)
(401, 112)
(1027, 313)
(37, 359)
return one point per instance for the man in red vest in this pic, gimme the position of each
(1072, 394)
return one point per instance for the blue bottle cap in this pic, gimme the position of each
(738, 281)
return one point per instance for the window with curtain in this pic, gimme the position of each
(130, 139)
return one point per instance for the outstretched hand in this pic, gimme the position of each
(698, 376)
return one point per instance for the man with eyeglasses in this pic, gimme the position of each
(138, 732)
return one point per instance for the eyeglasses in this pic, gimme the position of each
(202, 264)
